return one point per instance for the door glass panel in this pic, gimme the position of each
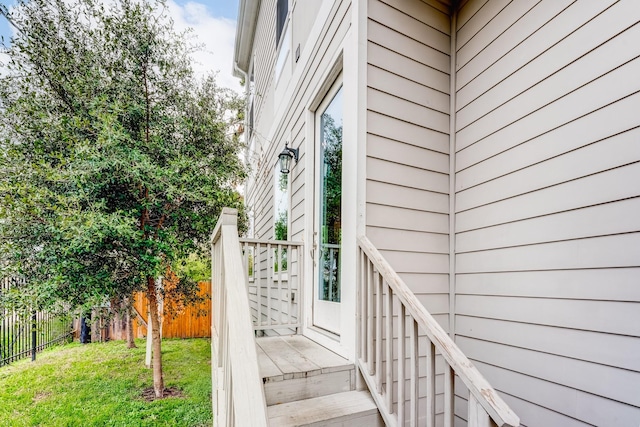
(330, 199)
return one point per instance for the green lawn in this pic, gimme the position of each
(101, 385)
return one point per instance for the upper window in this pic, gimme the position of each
(281, 17)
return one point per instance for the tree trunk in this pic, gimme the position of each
(129, 310)
(95, 325)
(158, 380)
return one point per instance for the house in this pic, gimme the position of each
(485, 154)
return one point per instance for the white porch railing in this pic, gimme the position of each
(238, 397)
(390, 317)
(274, 272)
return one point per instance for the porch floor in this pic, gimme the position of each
(296, 356)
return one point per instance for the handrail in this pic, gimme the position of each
(379, 286)
(237, 384)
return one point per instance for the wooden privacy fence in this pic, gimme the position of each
(191, 322)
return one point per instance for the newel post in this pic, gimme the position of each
(229, 216)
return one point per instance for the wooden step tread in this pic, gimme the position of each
(287, 357)
(334, 409)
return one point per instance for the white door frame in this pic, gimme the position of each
(325, 338)
(325, 314)
(350, 60)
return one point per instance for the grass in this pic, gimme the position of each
(101, 384)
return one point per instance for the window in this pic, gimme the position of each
(281, 215)
(281, 17)
(281, 206)
(330, 206)
(283, 38)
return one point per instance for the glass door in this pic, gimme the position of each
(326, 310)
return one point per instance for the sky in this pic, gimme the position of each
(214, 23)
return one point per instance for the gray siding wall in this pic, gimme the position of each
(292, 125)
(407, 153)
(320, 52)
(408, 144)
(260, 191)
(548, 208)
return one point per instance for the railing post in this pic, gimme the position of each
(236, 378)
(34, 336)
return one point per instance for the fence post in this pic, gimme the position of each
(34, 336)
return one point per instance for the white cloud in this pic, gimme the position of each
(218, 36)
(216, 33)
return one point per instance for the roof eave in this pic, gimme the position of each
(245, 31)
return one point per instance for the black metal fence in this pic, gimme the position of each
(23, 332)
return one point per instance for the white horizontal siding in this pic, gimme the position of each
(582, 345)
(407, 154)
(547, 245)
(619, 116)
(514, 54)
(599, 220)
(607, 89)
(614, 185)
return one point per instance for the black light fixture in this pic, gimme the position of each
(285, 158)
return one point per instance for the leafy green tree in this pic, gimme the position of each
(115, 160)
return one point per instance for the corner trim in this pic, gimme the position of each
(452, 180)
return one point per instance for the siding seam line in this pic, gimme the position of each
(452, 176)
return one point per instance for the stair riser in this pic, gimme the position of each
(348, 409)
(369, 420)
(290, 390)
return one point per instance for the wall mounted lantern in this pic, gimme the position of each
(285, 158)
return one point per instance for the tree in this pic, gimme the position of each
(115, 159)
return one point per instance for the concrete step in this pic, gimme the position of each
(351, 408)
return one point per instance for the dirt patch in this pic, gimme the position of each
(149, 395)
(40, 396)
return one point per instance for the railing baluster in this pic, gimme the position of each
(300, 287)
(257, 273)
(279, 293)
(269, 281)
(477, 417)
(330, 259)
(415, 371)
(431, 385)
(245, 259)
(378, 286)
(389, 347)
(362, 306)
(370, 319)
(401, 362)
(289, 283)
(449, 396)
